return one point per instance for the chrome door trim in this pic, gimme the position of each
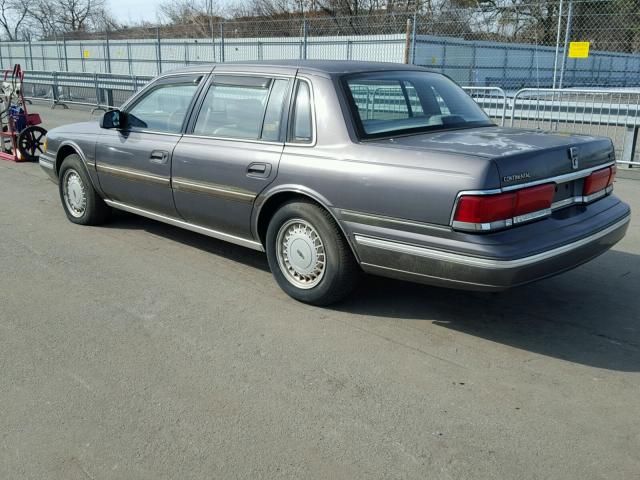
(478, 262)
(245, 242)
(234, 139)
(216, 190)
(132, 174)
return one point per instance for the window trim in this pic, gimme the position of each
(356, 121)
(165, 80)
(292, 106)
(197, 107)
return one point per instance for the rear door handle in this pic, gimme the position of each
(159, 156)
(260, 170)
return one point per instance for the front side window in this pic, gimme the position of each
(400, 102)
(242, 107)
(163, 108)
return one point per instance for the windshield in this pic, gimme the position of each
(400, 102)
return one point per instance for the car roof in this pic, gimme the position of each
(321, 67)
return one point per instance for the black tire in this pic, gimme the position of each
(340, 272)
(94, 211)
(31, 142)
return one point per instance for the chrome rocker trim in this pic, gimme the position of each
(484, 262)
(189, 226)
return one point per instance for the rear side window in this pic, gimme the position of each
(272, 124)
(242, 107)
(301, 122)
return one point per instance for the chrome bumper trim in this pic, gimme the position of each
(45, 162)
(484, 262)
(186, 225)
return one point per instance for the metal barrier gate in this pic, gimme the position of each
(610, 113)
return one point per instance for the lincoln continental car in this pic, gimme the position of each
(334, 168)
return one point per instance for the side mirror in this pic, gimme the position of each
(113, 119)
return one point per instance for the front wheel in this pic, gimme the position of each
(308, 255)
(80, 201)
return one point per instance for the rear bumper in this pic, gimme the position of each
(422, 264)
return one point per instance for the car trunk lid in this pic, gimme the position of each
(521, 156)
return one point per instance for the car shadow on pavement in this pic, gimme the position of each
(590, 315)
(246, 256)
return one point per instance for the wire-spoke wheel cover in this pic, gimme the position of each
(74, 193)
(301, 254)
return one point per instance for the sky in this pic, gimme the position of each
(134, 10)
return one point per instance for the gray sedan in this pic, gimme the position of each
(334, 168)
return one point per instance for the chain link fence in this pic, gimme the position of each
(508, 44)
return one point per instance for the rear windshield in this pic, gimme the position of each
(400, 102)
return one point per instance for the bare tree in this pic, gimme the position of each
(197, 15)
(12, 17)
(54, 17)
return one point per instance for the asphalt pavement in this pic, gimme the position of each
(138, 350)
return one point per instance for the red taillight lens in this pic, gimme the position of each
(599, 180)
(477, 209)
(534, 198)
(485, 208)
(614, 170)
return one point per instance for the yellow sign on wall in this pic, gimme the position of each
(85, 53)
(578, 49)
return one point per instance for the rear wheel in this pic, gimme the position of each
(80, 201)
(308, 255)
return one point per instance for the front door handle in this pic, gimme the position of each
(159, 156)
(261, 170)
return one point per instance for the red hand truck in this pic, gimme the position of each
(22, 138)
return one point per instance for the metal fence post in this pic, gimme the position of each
(630, 141)
(555, 62)
(54, 89)
(158, 51)
(213, 39)
(9, 54)
(30, 53)
(305, 25)
(84, 69)
(222, 41)
(1, 59)
(66, 58)
(108, 52)
(129, 60)
(567, 36)
(407, 42)
(413, 38)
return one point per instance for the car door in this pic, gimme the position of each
(134, 163)
(232, 150)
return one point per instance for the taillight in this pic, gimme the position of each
(599, 181)
(489, 212)
(485, 208)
